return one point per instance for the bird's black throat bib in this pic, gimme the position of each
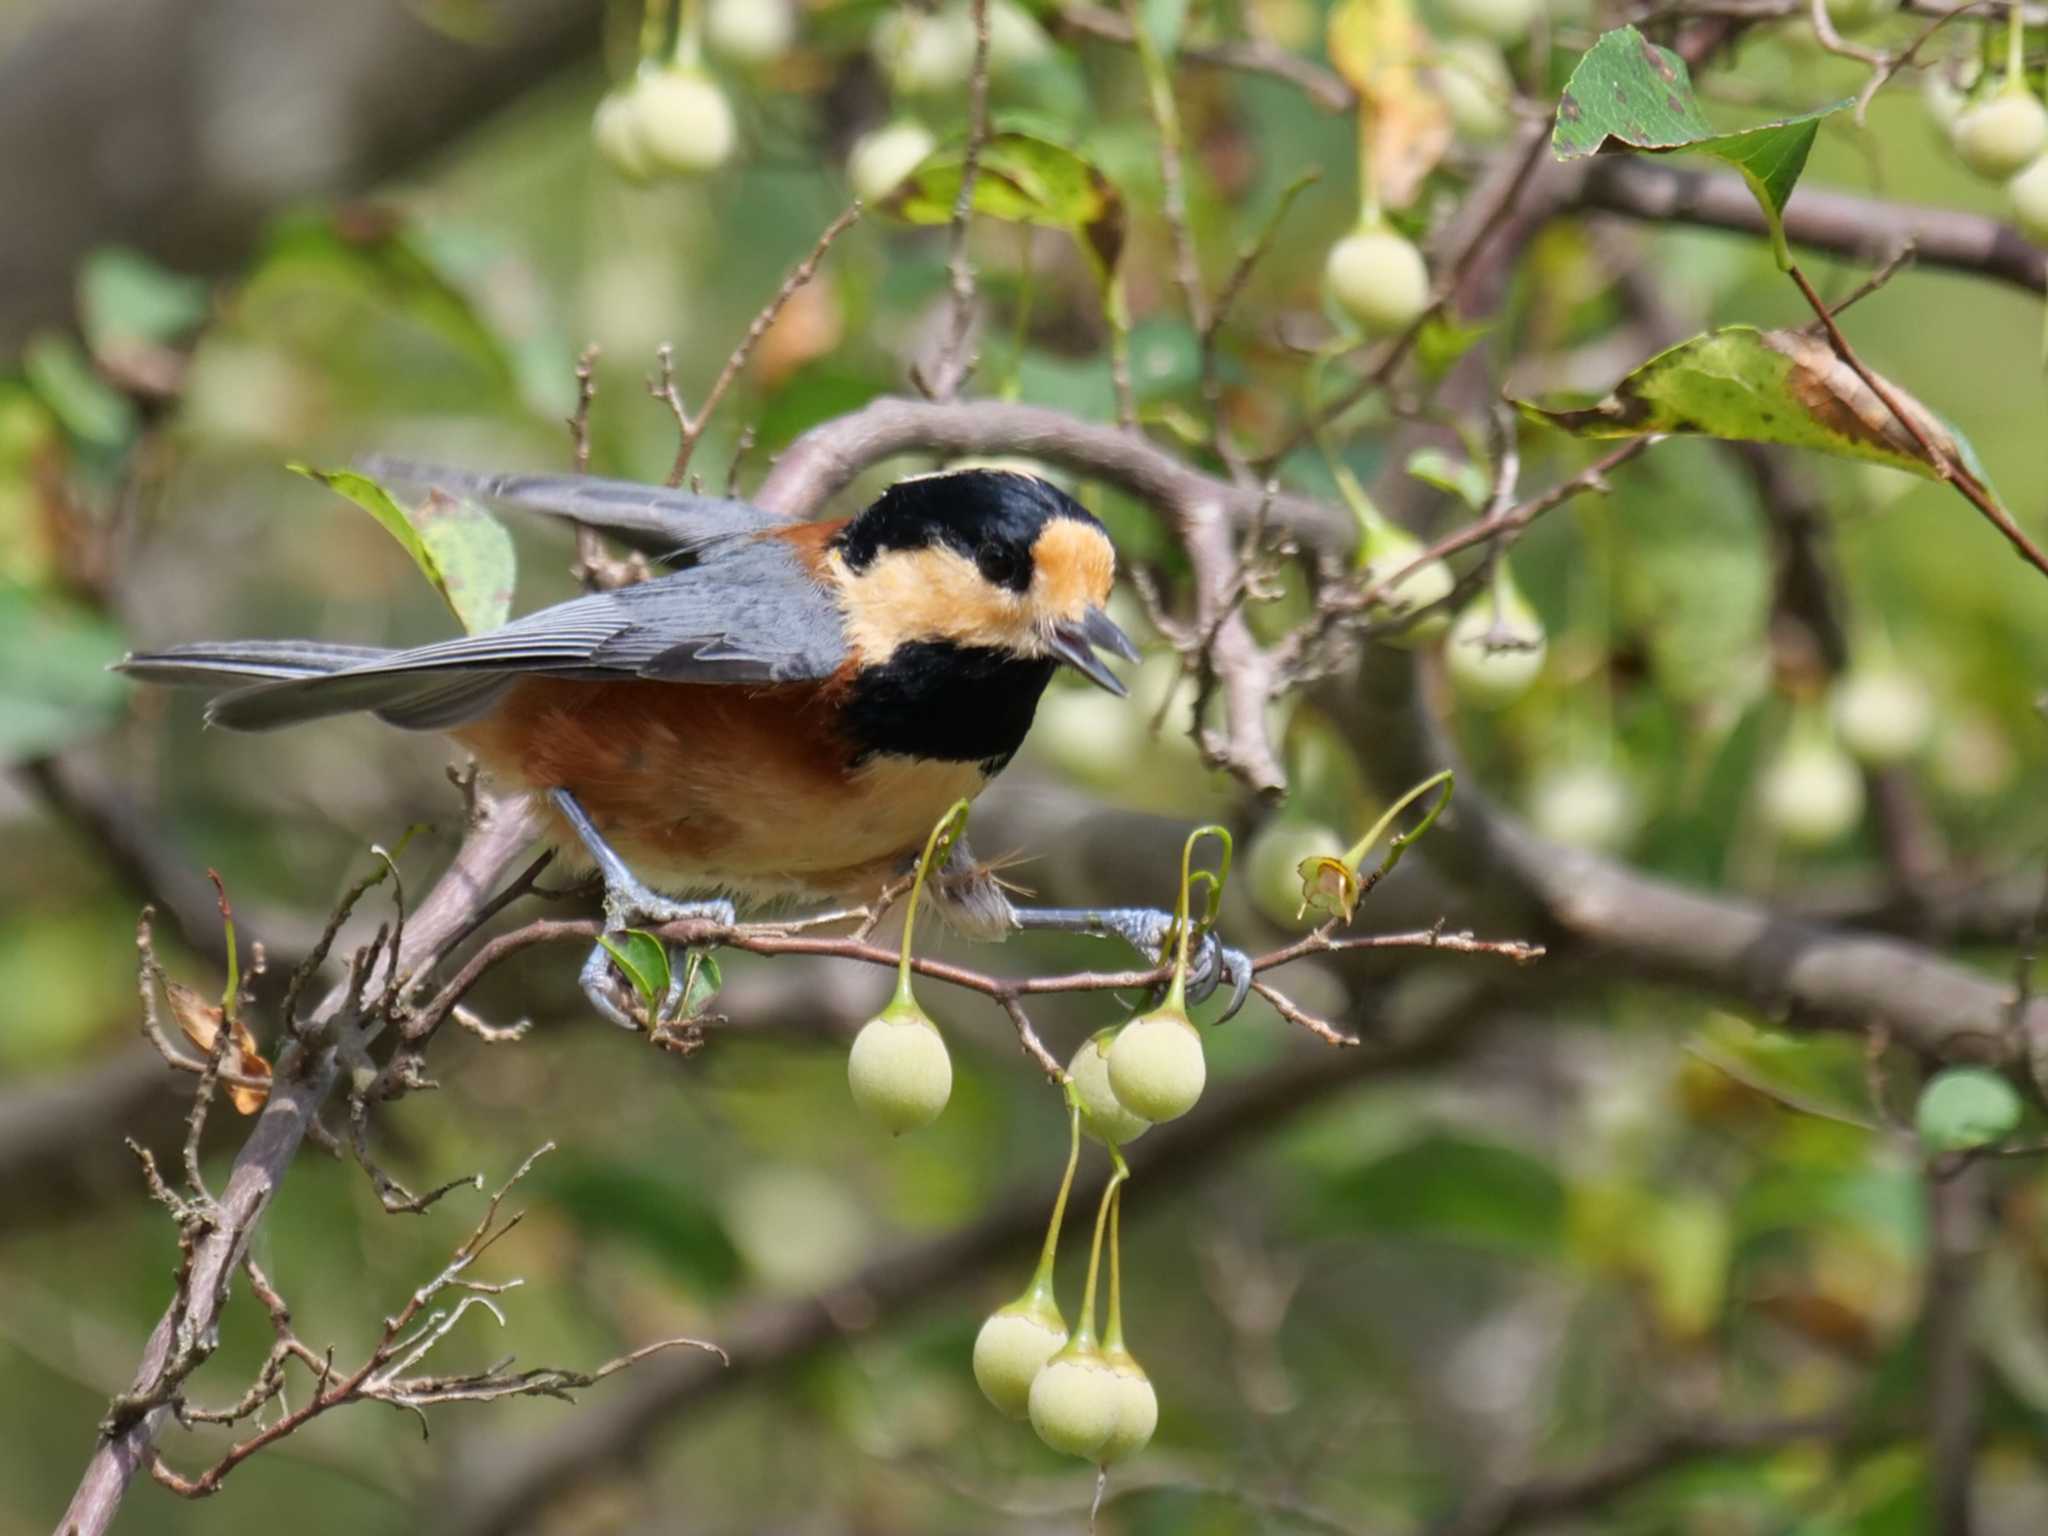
(954, 703)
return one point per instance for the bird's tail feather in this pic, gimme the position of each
(274, 683)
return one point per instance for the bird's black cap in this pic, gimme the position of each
(991, 516)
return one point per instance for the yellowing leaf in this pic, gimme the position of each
(200, 1021)
(1404, 127)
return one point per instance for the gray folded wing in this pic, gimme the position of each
(653, 519)
(749, 612)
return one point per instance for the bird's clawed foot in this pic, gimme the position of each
(1211, 962)
(628, 903)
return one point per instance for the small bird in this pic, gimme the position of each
(783, 713)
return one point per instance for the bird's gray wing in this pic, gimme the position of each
(653, 519)
(750, 612)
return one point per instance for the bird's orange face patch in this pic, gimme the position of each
(937, 594)
(1072, 568)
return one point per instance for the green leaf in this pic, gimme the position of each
(90, 409)
(1164, 21)
(644, 961)
(124, 297)
(1965, 1107)
(1741, 384)
(702, 979)
(1023, 178)
(666, 1218)
(460, 549)
(1460, 477)
(54, 682)
(475, 557)
(1474, 1192)
(1628, 90)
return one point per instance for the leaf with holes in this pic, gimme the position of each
(1741, 384)
(1627, 90)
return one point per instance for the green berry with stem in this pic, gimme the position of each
(684, 123)
(1495, 647)
(1811, 791)
(1103, 1114)
(1137, 1405)
(898, 1070)
(1156, 1065)
(1074, 1401)
(1387, 552)
(1274, 863)
(2002, 133)
(1018, 1339)
(881, 159)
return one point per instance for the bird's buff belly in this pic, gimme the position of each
(719, 788)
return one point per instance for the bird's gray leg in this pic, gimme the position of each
(1210, 961)
(627, 903)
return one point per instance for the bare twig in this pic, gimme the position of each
(1247, 56)
(690, 427)
(953, 361)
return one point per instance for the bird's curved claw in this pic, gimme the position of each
(1211, 962)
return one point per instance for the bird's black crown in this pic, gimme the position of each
(991, 516)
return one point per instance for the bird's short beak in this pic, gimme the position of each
(1075, 642)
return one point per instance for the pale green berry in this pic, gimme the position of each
(685, 124)
(1884, 715)
(1473, 82)
(1966, 1107)
(880, 159)
(1495, 648)
(1504, 21)
(1390, 549)
(1378, 278)
(1137, 1408)
(2029, 193)
(1013, 1347)
(1156, 1066)
(899, 1071)
(1103, 1115)
(1273, 866)
(615, 129)
(2001, 135)
(1074, 1402)
(925, 53)
(1015, 39)
(1584, 805)
(1811, 792)
(750, 31)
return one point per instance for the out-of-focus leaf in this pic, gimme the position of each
(1445, 1186)
(459, 548)
(54, 682)
(668, 1218)
(474, 555)
(32, 459)
(1164, 21)
(1442, 341)
(1461, 477)
(1686, 1248)
(1023, 179)
(702, 979)
(644, 960)
(200, 1021)
(124, 297)
(1741, 384)
(1379, 47)
(1627, 89)
(92, 410)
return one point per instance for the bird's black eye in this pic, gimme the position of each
(1002, 566)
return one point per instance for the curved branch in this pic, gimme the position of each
(1841, 223)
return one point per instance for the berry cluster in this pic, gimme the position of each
(1086, 1395)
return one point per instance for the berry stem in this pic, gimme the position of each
(1177, 994)
(654, 28)
(1084, 1331)
(1113, 1335)
(1356, 857)
(936, 846)
(1041, 1278)
(2015, 49)
(689, 45)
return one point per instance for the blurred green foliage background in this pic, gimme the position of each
(1604, 1204)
